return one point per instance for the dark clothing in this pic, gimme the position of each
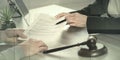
(98, 24)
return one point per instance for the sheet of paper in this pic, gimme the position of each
(51, 10)
(44, 29)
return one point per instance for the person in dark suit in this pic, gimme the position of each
(93, 17)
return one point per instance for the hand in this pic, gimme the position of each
(76, 19)
(15, 33)
(12, 34)
(33, 46)
(61, 15)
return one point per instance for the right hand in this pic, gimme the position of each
(74, 19)
(61, 15)
(33, 46)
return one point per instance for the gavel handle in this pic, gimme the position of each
(62, 48)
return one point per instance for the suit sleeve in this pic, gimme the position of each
(96, 23)
(96, 9)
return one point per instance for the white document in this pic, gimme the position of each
(43, 27)
(45, 24)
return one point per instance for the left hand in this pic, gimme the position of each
(76, 19)
(11, 35)
(33, 46)
(15, 33)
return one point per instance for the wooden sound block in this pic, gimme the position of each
(84, 52)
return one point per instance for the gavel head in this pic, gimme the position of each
(93, 51)
(91, 43)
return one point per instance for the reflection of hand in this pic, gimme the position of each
(61, 15)
(10, 35)
(33, 46)
(76, 19)
(15, 32)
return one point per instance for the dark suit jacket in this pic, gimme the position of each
(98, 24)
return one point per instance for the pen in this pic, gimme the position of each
(60, 22)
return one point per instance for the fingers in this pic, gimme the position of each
(20, 34)
(15, 29)
(70, 19)
(41, 45)
(72, 24)
(41, 49)
(38, 43)
(61, 15)
(76, 19)
(33, 46)
(15, 33)
(22, 30)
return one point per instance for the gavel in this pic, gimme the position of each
(91, 43)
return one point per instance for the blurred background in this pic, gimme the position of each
(73, 4)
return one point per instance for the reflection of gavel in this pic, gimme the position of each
(91, 43)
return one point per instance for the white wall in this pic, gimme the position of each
(3, 3)
(74, 4)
